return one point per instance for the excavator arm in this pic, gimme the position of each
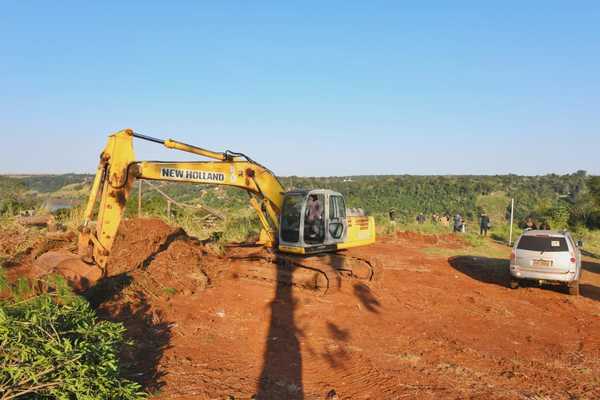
(118, 170)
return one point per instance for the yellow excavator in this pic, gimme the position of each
(299, 222)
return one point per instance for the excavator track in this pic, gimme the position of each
(322, 273)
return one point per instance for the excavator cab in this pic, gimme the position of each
(312, 221)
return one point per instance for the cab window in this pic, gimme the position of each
(337, 207)
(290, 218)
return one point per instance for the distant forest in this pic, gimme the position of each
(572, 198)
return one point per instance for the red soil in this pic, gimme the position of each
(428, 326)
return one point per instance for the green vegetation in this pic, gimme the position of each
(564, 201)
(52, 346)
(52, 183)
(13, 196)
(486, 249)
(169, 291)
(468, 195)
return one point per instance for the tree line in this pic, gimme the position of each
(573, 199)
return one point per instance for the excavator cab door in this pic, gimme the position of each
(291, 222)
(337, 224)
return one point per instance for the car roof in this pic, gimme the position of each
(540, 232)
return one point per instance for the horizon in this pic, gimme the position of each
(336, 89)
(587, 174)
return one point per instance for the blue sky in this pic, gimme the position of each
(306, 88)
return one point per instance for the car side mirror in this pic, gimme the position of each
(579, 243)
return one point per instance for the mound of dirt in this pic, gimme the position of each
(156, 258)
(177, 269)
(138, 241)
(448, 240)
(20, 247)
(160, 259)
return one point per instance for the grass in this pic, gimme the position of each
(501, 233)
(71, 218)
(74, 190)
(475, 245)
(486, 249)
(591, 240)
(239, 226)
(494, 205)
(386, 227)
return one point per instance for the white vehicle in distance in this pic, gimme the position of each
(546, 257)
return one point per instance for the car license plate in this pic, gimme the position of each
(542, 263)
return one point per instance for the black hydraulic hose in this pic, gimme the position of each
(228, 153)
(235, 154)
(148, 138)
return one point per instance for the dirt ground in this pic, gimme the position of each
(427, 327)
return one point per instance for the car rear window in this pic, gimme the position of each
(543, 243)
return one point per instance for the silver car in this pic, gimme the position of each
(546, 257)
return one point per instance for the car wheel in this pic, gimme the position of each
(573, 288)
(514, 283)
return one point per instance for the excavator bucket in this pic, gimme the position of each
(78, 274)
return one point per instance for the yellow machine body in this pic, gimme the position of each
(118, 170)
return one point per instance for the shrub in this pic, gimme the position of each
(52, 346)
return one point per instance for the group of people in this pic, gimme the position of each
(485, 224)
(459, 224)
(531, 225)
(435, 219)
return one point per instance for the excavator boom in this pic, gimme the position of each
(118, 169)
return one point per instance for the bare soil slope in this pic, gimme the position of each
(427, 327)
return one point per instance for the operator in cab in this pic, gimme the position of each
(315, 214)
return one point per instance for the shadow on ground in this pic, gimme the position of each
(590, 291)
(590, 266)
(496, 271)
(151, 336)
(366, 297)
(281, 375)
(483, 269)
(149, 333)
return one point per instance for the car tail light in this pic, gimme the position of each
(513, 256)
(573, 260)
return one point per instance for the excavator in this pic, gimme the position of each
(288, 229)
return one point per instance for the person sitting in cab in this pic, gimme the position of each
(315, 214)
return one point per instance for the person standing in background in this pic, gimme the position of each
(484, 224)
(392, 214)
(458, 223)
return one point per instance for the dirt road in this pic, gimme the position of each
(428, 327)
